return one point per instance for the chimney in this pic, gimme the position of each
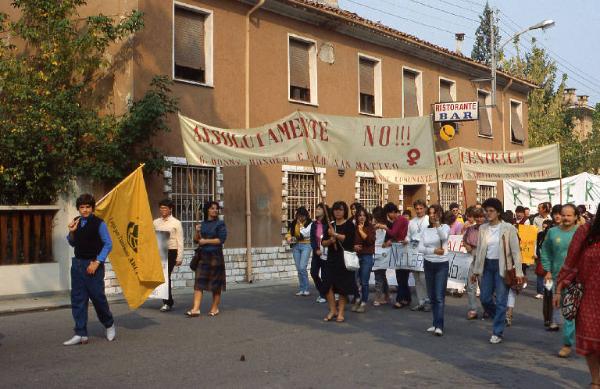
(570, 96)
(460, 37)
(330, 3)
(582, 100)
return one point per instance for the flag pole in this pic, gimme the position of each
(437, 173)
(560, 175)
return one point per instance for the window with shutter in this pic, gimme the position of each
(409, 84)
(446, 91)
(485, 123)
(367, 85)
(516, 124)
(189, 42)
(299, 68)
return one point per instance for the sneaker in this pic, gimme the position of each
(431, 329)
(300, 293)
(417, 308)
(306, 293)
(362, 308)
(165, 308)
(538, 296)
(76, 340)
(111, 333)
(495, 339)
(438, 332)
(564, 352)
(321, 300)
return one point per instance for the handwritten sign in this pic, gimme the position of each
(528, 237)
(406, 257)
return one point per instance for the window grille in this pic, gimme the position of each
(370, 193)
(450, 194)
(301, 191)
(192, 187)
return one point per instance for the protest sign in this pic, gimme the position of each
(405, 257)
(343, 142)
(583, 188)
(459, 262)
(528, 241)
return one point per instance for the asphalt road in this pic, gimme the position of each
(285, 344)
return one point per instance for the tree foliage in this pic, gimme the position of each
(482, 48)
(549, 119)
(50, 130)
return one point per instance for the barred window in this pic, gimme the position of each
(450, 194)
(370, 193)
(486, 192)
(301, 191)
(192, 187)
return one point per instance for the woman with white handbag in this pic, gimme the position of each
(341, 262)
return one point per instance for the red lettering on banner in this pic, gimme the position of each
(273, 137)
(446, 161)
(384, 132)
(284, 130)
(199, 136)
(323, 126)
(259, 138)
(369, 134)
(217, 138)
(246, 143)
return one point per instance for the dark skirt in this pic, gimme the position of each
(210, 273)
(337, 277)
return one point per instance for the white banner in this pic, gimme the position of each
(459, 262)
(461, 163)
(583, 188)
(162, 290)
(360, 143)
(405, 257)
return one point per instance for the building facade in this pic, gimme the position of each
(303, 55)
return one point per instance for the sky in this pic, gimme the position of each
(573, 42)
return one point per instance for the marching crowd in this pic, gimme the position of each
(347, 244)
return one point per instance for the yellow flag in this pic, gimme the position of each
(528, 235)
(135, 258)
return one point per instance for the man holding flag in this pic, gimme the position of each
(88, 234)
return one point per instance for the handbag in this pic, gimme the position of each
(539, 268)
(571, 300)
(350, 258)
(510, 275)
(195, 260)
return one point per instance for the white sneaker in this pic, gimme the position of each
(438, 332)
(495, 339)
(111, 333)
(431, 329)
(321, 300)
(76, 340)
(301, 293)
(165, 308)
(306, 293)
(539, 296)
(525, 285)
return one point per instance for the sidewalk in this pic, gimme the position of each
(63, 299)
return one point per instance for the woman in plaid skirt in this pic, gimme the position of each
(210, 272)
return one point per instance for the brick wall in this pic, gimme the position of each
(268, 263)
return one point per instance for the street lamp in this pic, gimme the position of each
(544, 25)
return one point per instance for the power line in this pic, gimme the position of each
(437, 28)
(444, 11)
(573, 68)
(460, 7)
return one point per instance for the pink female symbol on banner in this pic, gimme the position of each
(413, 156)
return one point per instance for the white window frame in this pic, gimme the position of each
(377, 85)
(419, 81)
(485, 183)
(208, 44)
(519, 112)
(452, 88)
(312, 70)
(488, 102)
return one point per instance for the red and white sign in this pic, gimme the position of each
(456, 112)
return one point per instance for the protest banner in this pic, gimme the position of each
(528, 242)
(583, 188)
(405, 257)
(461, 163)
(134, 258)
(343, 142)
(162, 290)
(459, 262)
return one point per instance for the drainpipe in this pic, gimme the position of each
(249, 276)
